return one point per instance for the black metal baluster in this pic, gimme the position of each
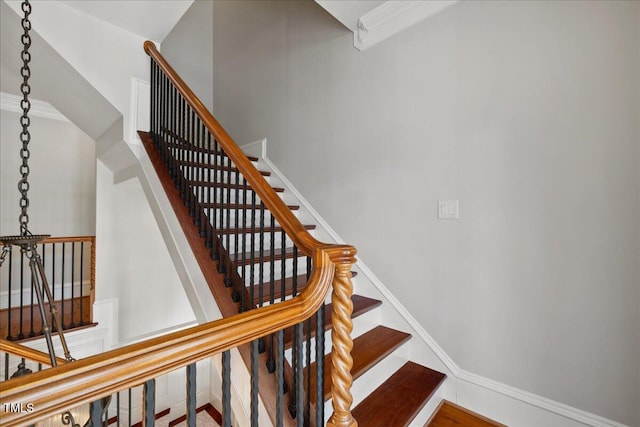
(226, 389)
(192, 158)
(73, 283)
(280, 379)
(296, 350)
(129, 410)
(283, 264)
(10, 282)
(254, 383)
(236, 236)
(81, 282)
(152, 106)
(209, 239)
(64, 252)
(252, 251)
(149, 403)
(320, 350)
(228, 268)
(31, 305)
(53, 277)
(307, 386)
(271, 363)
(261, 344)
(21, 334)
(6, 366)
(191, 395)
(244, 304)
(205, 190)
(118, 409)
(222, 255)
(214, 220)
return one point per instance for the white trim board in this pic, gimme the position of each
(393, 17)
(480, 394)
(43, 109)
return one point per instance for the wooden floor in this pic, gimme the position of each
(17, 324)
(449, 414)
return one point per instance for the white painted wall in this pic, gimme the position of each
(132, 263)
(527, 112)
(104, 54)
(62, 177)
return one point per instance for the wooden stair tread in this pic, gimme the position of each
(247, 230)
(250, 258)
(225, 168)
(449, 414)
(301, 282)
(361, 305)
(368, 349)
(406, 392)
(203, 150)
(241, 206)
(225, 185)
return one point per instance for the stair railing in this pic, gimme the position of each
(218, 184)
(69, 264)
(183, 131)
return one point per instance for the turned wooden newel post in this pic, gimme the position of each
(341, 360)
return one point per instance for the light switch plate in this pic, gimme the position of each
(448, 209)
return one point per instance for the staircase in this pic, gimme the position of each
(406, 391)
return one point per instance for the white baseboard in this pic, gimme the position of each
(496, 400)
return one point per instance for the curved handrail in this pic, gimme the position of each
(54, 390)
(289, 222)
(27, 353)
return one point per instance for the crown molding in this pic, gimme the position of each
(43, 109)
(392, 17)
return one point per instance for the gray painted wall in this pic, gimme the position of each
(528, 113)
(188, 49)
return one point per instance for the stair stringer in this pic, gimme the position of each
(196, 289)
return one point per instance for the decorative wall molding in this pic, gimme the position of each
(392, 17)
(139, 108)
(43, 109)
(496, 390)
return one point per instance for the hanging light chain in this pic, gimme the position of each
(25, 121)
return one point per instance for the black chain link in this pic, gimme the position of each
(25, 121)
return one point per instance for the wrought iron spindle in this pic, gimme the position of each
(226, 389)
(214, 221)
(191, 395)
(9, 253)
(73, 259)
(254, 383)
(149, 403)
(280, 379)
(227, 247)
(271, 363)
(81, 283)
(21, 334)
(243, 227)
(236, 235)
(62, 277)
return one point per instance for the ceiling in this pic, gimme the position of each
(152, 20)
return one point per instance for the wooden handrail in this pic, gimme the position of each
(54, 390)
(69, 239)
(289, 222)
(28, 353)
